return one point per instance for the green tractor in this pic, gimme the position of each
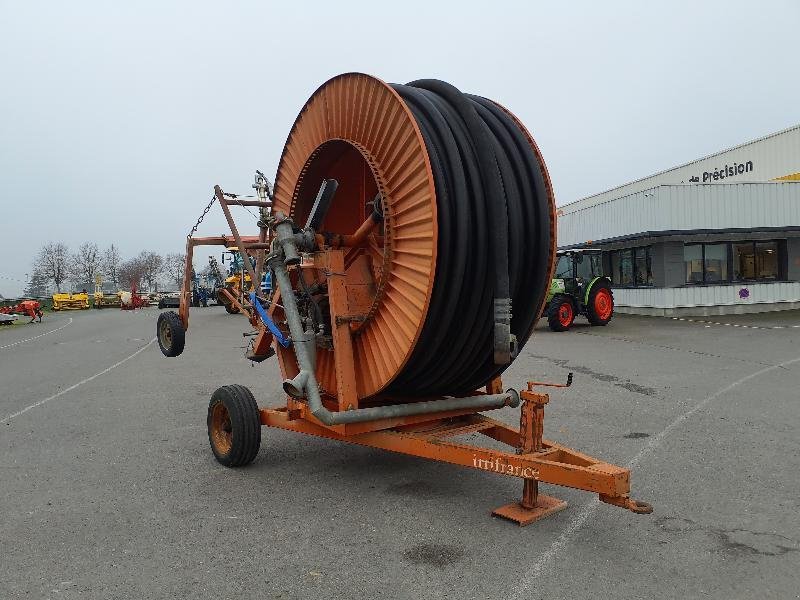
(579, 288)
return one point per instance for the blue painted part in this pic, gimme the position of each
(266, 283)
(282, 340)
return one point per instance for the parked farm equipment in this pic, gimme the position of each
(28, 308)
(101, 300)
(76, 301)
(406, 222)
(133, 300)
(579, 287)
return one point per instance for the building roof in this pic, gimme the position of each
(776, 155)
(681, 209)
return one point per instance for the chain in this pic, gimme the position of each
(234, 197)
(239, 202)
(200, 220)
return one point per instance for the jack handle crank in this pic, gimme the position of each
(532, 384)
(635, 506)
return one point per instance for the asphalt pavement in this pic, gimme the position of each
(108, 488)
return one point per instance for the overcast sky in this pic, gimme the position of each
(117, 118)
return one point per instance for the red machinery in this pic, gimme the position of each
(131, 300)
(31, 308)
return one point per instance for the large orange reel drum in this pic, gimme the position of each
(425, 278)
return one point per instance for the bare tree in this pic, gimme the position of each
(52, 263)
(85, 264)
(153, 267)
(173, 267)
(131, 273)
(111, 264)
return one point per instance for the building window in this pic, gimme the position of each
(643, 266)
(693, 262)
(715, 260)
(767, 260)
(632, 267)
(626, 267)
(757, 260)
(615, 267)
(744, 261)
(734, 261)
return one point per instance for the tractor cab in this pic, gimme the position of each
(576, 267)
(579, 287)
(235, 259)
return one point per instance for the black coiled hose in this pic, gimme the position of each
(493, 238)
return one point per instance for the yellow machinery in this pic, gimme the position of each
(110, 301)
(238, 283)
(79, 301)
(103, 301)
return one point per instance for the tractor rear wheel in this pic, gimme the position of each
(170, 333)
(600, 307)
(561, 313)
(234, 426)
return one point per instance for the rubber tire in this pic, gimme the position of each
(231, 309)
(174, 346)
(593, 317)
(552, 313)
(245, 421)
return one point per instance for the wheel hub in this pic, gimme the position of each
(221, 429)
(602, 304)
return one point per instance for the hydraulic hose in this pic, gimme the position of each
(494, 241)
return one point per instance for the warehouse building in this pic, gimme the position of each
(719, 235)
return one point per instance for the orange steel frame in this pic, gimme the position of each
(529, 456)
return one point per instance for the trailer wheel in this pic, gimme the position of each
(234, 426)
(170, 333)
(600, 307)
(560, 314)
(232, 310)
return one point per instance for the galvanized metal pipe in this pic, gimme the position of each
(305, 360)
(477, 403)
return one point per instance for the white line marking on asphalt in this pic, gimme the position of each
(525, 588)
(38, 336)
(80, 383)
(708, 323)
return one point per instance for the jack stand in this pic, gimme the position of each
(533, 506)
